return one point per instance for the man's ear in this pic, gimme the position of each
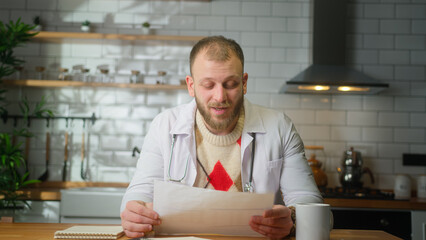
(190, 85)
(245, 78)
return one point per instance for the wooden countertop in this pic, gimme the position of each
(51, 191)
(412, 204)
(44, 231)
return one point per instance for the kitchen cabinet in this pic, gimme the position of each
(393, 221)
(39, 211)
(418, 225)
(91, 205)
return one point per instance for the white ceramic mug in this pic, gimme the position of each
(402, 188)
(314, 221)
(421, 187)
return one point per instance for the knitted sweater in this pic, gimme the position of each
(220, 156)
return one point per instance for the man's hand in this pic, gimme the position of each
(275, 223)
(138, 218)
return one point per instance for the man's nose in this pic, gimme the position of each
(220, 94)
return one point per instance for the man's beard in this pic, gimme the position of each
(219, 125)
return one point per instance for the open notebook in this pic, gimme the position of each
(91, 232)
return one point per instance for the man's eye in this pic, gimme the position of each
(231, 85)
(208, 86)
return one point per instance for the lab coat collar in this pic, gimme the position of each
(185, 120)
(252, 122)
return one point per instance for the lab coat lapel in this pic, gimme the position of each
(185, 141)
(253, 124)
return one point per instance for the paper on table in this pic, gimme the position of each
(189, 210)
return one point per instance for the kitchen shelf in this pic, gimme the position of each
(57, 83)
(61, 36)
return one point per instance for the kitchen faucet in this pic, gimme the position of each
(135, 149)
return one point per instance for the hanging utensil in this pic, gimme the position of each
(64, 170)
(83, 173)
(45, 175)
(27, 151)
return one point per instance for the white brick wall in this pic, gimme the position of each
(385, 39)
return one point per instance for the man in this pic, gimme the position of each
(212, 142)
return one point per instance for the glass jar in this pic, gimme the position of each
(18, 72)
(77, 73)
(105, 78)
(161, 77)
(64, 75)
(86, 75)
(40, 72)
(134, 77)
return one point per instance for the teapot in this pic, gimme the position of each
(352, 170)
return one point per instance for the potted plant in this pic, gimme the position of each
(13, 172)
(37, 24)
(146, 28)
(12, 35)
(85, 26)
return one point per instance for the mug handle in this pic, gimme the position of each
(331, 220)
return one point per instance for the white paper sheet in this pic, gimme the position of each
(189, 210)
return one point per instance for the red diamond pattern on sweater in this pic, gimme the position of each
(239, 141)
(219, 178)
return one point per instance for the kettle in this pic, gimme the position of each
(352, 170)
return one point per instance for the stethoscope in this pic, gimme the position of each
(248, 187)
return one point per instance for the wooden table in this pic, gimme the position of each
(44, 231)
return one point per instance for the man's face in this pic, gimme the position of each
(218, 88)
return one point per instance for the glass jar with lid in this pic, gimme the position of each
(161, 77)
(135, 76)
(64, 75)
(40, 72)
(86, 75)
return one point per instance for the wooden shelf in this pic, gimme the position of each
(57, 83)
(60, 36)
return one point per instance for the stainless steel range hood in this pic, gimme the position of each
(328, 73)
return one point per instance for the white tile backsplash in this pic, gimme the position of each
(255, 8)
(269, 24)
(346, 102)
(418, 57)
(412, 135)
(309, 132)
(346, 133)
(395, 26)
(380, 11)
(410, 73)
(418, 120)
(357, 118)
(410, 11)
(393, 119)
(374, 134)
(410, 104)
(240, 23)
(386, 40)
(419, 26)
(326, 117)
(287, 9)
(42, 4)
(209, 23)
(226, 8)
(18, 4)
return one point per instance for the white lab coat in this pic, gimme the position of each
(279, 162)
